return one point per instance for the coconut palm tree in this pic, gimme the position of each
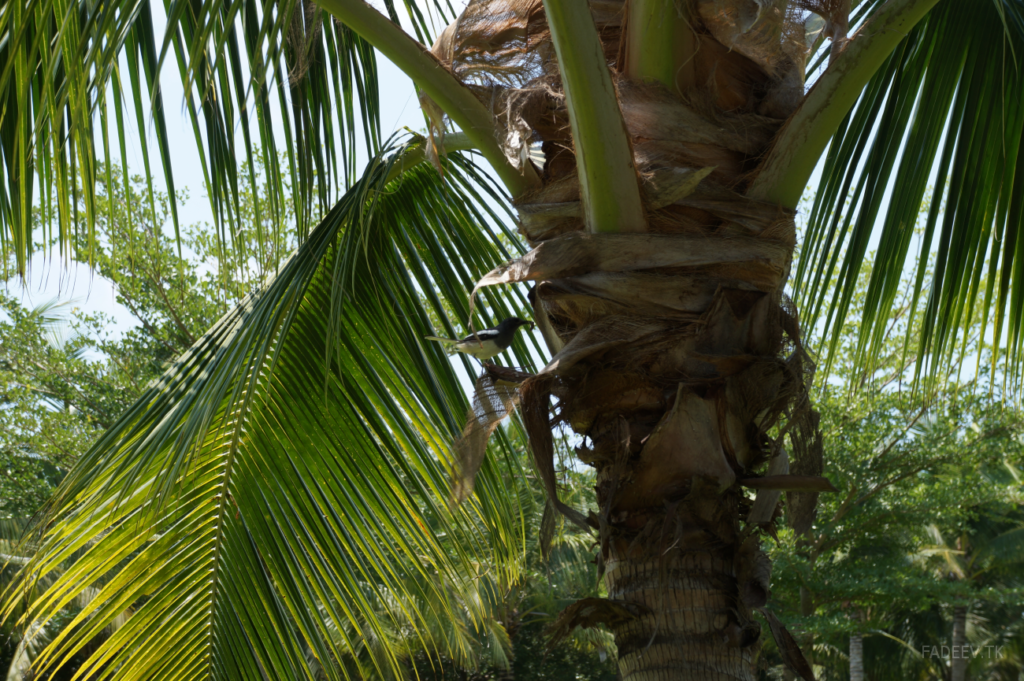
(652, 154)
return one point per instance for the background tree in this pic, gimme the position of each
(68, 374)
(42, 425)
(984, 561)
(906, 459)
(856, 572)
(298, 453)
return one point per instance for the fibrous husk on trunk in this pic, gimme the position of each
(676, 355)
(750, 68)
(590, 612)
(687, 344)
(690, 342)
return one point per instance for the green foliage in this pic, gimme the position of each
(536, 660)
(46, 383)
(372, 452)
(938, 113)
(66, 375)
(285, 478)
(70, 72)
(901, 464)
(913, 465)
(556, 568)
(174, 298)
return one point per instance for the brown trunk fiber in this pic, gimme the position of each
(689, 630)
(673, 546)
(676, 354)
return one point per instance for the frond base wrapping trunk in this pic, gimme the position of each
(676, 355)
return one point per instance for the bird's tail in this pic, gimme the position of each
(449, 343)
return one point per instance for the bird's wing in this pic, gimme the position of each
(481, 336)
(440, 340)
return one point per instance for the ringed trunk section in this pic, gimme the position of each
(856, 657)
(689, 628)
(677, 357)
(958, 667)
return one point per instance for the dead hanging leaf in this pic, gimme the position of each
(743, 637)
(685, 444)
(668, 186)
(434, 144)
(602, 335)
(629, 293)
(731, 206)
(753, 573)
(590, 612)
(493, 400)
(543, 321)
(535, 398)
(768, 499)
(757, 29)
(788, 648)
(661, 123)
(507, 374)
(547, 530)
(836, 14)
(579, 253)
(805, 438)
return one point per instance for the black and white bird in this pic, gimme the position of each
(486, 343)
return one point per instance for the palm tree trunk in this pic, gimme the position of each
(857, 650)
(677, 354)
(512, 624)
(683, 570)
(671, 368)
(856, 657)
(958, 670)
(689, 627)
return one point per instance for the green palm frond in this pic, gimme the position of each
(74, 75)
(942, 119)
(296, 457)
(998, 540)
(1004, 553)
